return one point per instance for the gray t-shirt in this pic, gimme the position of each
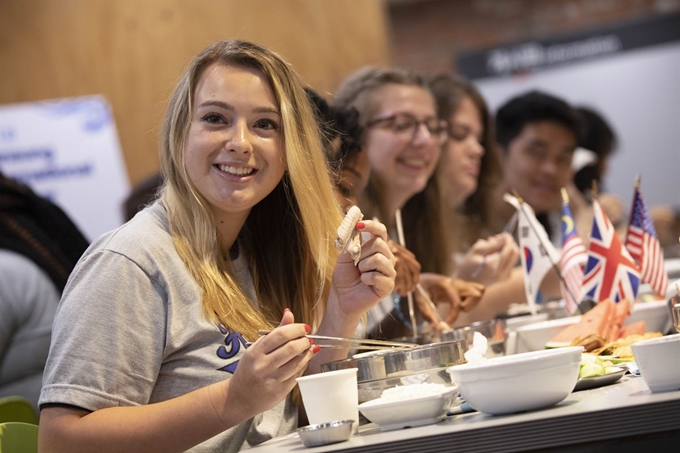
(28, 301)
(130, 330)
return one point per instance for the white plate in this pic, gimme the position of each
(516, 322)
(534, 337)
(419, 411)
(600, 381)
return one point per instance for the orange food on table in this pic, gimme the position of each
(605, 320)
(637, 328)
(595, 322)
(621, 312)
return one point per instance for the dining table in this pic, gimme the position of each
(620, 417)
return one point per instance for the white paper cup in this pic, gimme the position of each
(331, 396)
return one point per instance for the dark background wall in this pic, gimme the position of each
(133, 51)
(427, 34)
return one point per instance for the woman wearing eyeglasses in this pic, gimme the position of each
(402, 138)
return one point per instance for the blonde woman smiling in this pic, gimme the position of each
(155, 344)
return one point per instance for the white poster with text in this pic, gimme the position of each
(68, 151)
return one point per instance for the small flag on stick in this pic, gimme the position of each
(573, 259)
(537, 252)
(610, 271)
(643, 244)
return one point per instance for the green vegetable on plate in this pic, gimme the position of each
(592, 366)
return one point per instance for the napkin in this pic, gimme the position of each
(476, 355)
(581, 158)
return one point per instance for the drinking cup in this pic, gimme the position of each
(331, 396)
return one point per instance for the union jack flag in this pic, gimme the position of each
(644, 247)
(573, 259)
(610, 271)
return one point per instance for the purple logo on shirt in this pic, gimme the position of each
(231, 348)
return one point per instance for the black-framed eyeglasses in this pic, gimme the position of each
(407, 125)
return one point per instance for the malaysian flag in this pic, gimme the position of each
(573, 259)
(644, 247)
(610, 271)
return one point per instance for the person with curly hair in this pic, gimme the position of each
(39, 247)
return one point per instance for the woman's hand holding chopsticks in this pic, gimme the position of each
(266, 373)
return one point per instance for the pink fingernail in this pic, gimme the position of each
(308, 328)
(361, 225)
(316, 349)
(311, 341)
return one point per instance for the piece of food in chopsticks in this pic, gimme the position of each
(349, 237)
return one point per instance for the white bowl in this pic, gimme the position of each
(409, 413)
(673, 268)
(512, 324)
(659, 362)
(655, 315)
(534, 337)
(519, 382)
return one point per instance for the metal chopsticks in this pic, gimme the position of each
(509, 228)
(354, 343)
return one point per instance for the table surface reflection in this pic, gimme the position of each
(604, 417)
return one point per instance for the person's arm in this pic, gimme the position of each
(407, 267)
(174, 425)
(355, 289)
(498, 297)
(7, 316)
(489, 260)
(265, 375)
(458, 295)
(108, 346)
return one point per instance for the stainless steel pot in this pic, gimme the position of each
(493, 330)
(385, 369)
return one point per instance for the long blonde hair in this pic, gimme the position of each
(287, 237)
(424, 227)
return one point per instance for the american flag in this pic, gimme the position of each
(644, 247)
(610, 271)
(573, 259)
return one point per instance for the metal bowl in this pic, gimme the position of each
(326, 433)
(493, 330)
(385, 369)
(421, 338)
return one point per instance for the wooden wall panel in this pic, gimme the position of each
(133, 51)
